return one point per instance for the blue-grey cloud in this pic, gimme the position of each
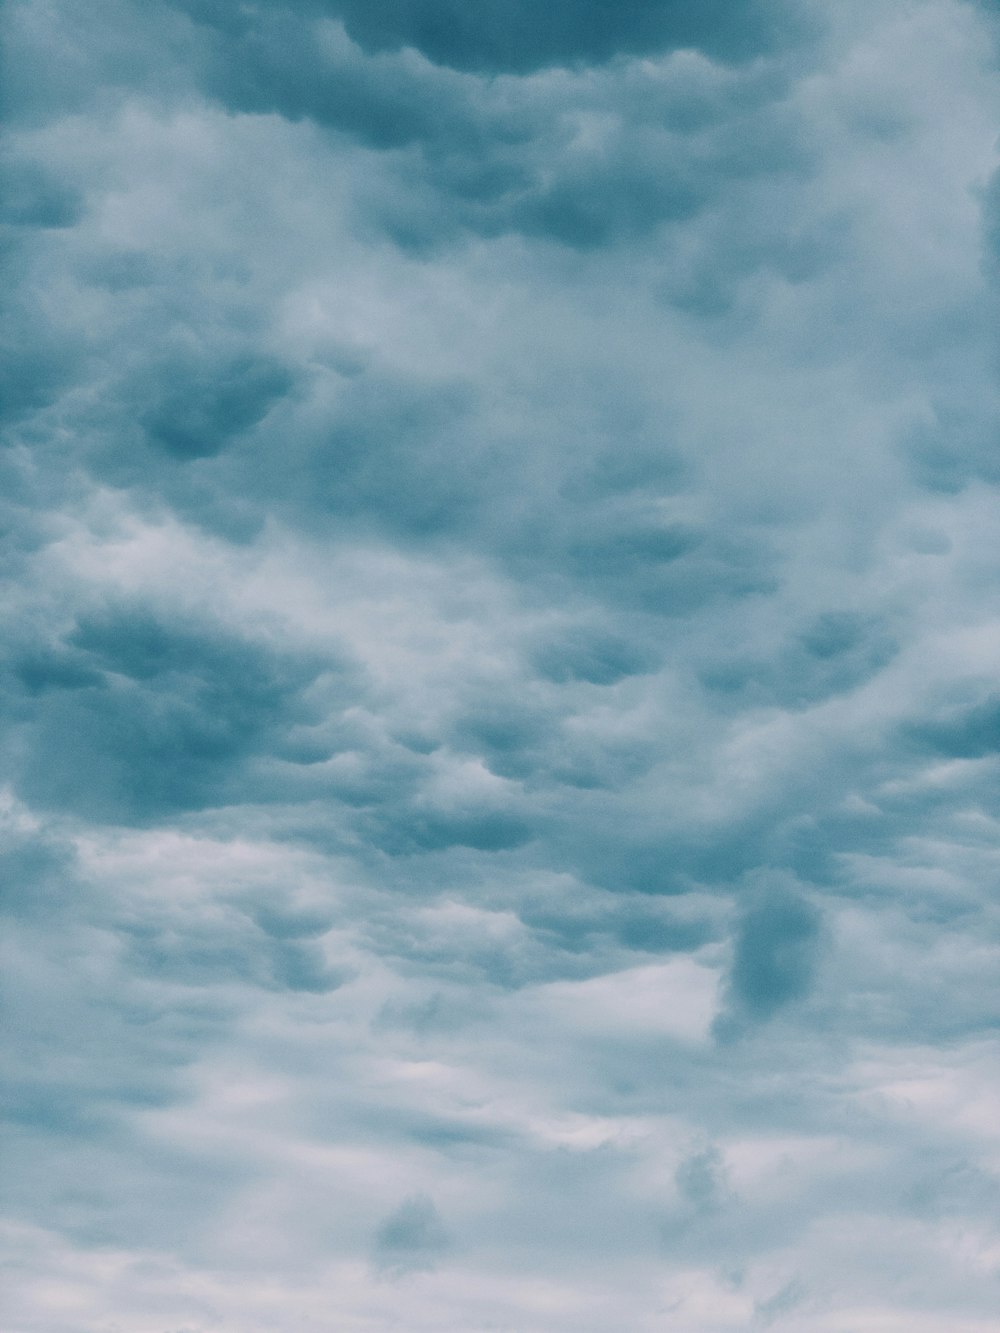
(412, 1237)
(497, 539)
(511, 37)
(159, 716)
(774, 956)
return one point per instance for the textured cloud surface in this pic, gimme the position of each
(501, 671)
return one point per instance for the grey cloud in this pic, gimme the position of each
(600, 658)
(35, 198)
(509, 36)
(160, 715)
(836, 652)
(963, 732)
(411, 1238)
(700, 1180)
(494, 157)
(498, 539)
(203, 410)
(775, 956)
(38, 361)
(35, 874)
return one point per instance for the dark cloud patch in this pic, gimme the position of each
(514, 35)
(511, 36)
(957, 443)
(160, 715)
(36, 874)
(584, 160)
(625, 860)
(234, 441)
(197, 391)
(283, 920)
(484, 829)
(214, 952)
(596, 163)
(969, 731)
(514, 735)
(203, 408)
(609, 848)
(639, 929)
(775, 955)
(412, 1238)
(301, 966)
(390, 451)
(599, 658)
(630, 542)
(700, 1180)
(633, 557)
(590, 208)
(38, 358)
(33, 197)
(587, 921)
(57, 669)
(284, 62)
(836, 652)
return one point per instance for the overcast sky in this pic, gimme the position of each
(501, 666)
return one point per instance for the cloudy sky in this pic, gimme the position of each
(501, 666)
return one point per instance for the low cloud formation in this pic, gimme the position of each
(498, 535)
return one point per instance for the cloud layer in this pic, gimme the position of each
(500, 551)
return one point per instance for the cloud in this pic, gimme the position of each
(411, 1238)
(699, 1179)
(774, 956)
(208, 407)
(157, 714)
(497, 545)
(509, 37)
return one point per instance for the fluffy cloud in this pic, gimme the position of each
(499, 671)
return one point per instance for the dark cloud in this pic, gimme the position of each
(489, 158)
(36, 874)
(700, 1180)
(161, 715)
(411, 1238)
(511, 36)
(38, 361)
(204, 407)
(485, 830)
(587, 654)
(775, 955)
(508, 35)
(836, 652)
(34, 198)
(968, 731)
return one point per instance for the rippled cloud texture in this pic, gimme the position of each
(501, 666)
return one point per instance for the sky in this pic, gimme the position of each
(501, 666)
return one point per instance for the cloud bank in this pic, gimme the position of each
(500, 548)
